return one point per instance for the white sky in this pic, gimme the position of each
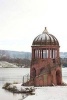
(22, 20)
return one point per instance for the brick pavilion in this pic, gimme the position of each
(45, 69)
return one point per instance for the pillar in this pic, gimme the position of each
(49, 53)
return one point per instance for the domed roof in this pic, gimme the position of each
(45, 39)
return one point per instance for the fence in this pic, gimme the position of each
(26, 78)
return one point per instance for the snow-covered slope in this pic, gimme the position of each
(6, 64)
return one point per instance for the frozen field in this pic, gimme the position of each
(51, 93)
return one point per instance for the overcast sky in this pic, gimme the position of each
(22, 20)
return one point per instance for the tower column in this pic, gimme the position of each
(49, 53)
(42, 53)
(58, 52)
(38, 53)
(33, 53)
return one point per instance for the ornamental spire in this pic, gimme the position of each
(45, 30)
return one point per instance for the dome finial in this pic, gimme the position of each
(45, 30)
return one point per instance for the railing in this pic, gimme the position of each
(25, 78)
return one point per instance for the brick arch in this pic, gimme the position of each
(58, 77)
(34, 72)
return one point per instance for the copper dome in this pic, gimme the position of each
(45, 39)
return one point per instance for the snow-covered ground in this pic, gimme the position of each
(45, 93)
(18, 88)
(6, 64)
(49, 93)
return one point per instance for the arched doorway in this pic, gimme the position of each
(34, 72)
(58, 77)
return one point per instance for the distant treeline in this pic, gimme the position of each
(64, 62)
(18, 61)
(26, 62)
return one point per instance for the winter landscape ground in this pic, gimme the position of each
(48, 92)
(51, 93)
(41, 93)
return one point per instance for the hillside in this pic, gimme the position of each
(4, 64)
(22, 55)
(63, 54)
(24, 58)
(15, 54)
